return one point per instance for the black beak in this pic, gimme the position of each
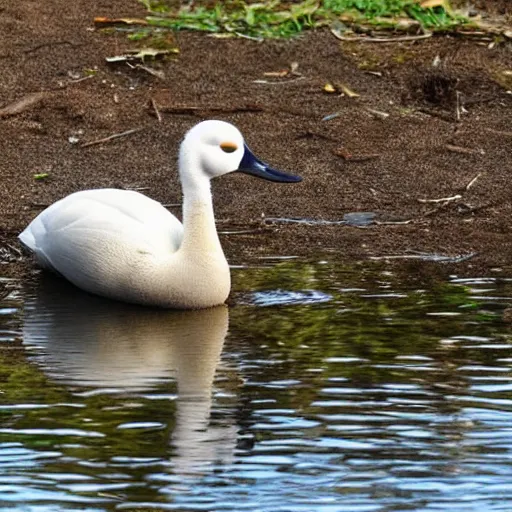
(250, 164)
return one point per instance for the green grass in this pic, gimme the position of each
(267, 19)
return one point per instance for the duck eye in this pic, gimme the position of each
(228, 147)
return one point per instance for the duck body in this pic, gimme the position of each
(123, 245)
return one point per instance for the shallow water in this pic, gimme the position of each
(320, 389)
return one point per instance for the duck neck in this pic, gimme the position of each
(200, 233)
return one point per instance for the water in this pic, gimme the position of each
(319, 389)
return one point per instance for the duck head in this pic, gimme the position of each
(214, 148)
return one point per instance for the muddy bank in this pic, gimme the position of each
(411, 135)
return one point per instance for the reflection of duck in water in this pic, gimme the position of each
(88, 341)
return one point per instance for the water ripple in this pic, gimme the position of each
(356, 391)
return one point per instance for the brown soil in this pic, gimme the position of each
(399, 142)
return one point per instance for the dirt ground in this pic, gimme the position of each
(432, 120)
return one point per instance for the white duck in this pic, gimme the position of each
(122, 245)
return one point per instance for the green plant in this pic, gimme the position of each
(273, 18)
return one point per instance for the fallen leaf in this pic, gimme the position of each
(141, 54)
(152, 53)
(329, 88)
(20, 106)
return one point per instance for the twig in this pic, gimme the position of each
(157, 112)
(185, 109)
(249, 108)
(329, 117)
(14, 249)
(310, 134)
(438, 208)
(378, 114)
(402, 39)
(269, 82)
(20, 106)
(103, 21)
(251, 38)
(441, 200)
(465, 151)
(111, 137)
(308, 222)
(445, 201)
(428, 257)
(472, 182)
(457, 107)
(393, 222)
(473, 209)
(498, 132)
(245, 231)
(54, 43)
(488, 28)
(151, 71)
(137, 189)
(441, 115)
(349, 157)
(81, 79)
(477, 101)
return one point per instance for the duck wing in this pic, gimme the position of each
(102, 236)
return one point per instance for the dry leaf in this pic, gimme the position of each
(152, 53)
(329, 88)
